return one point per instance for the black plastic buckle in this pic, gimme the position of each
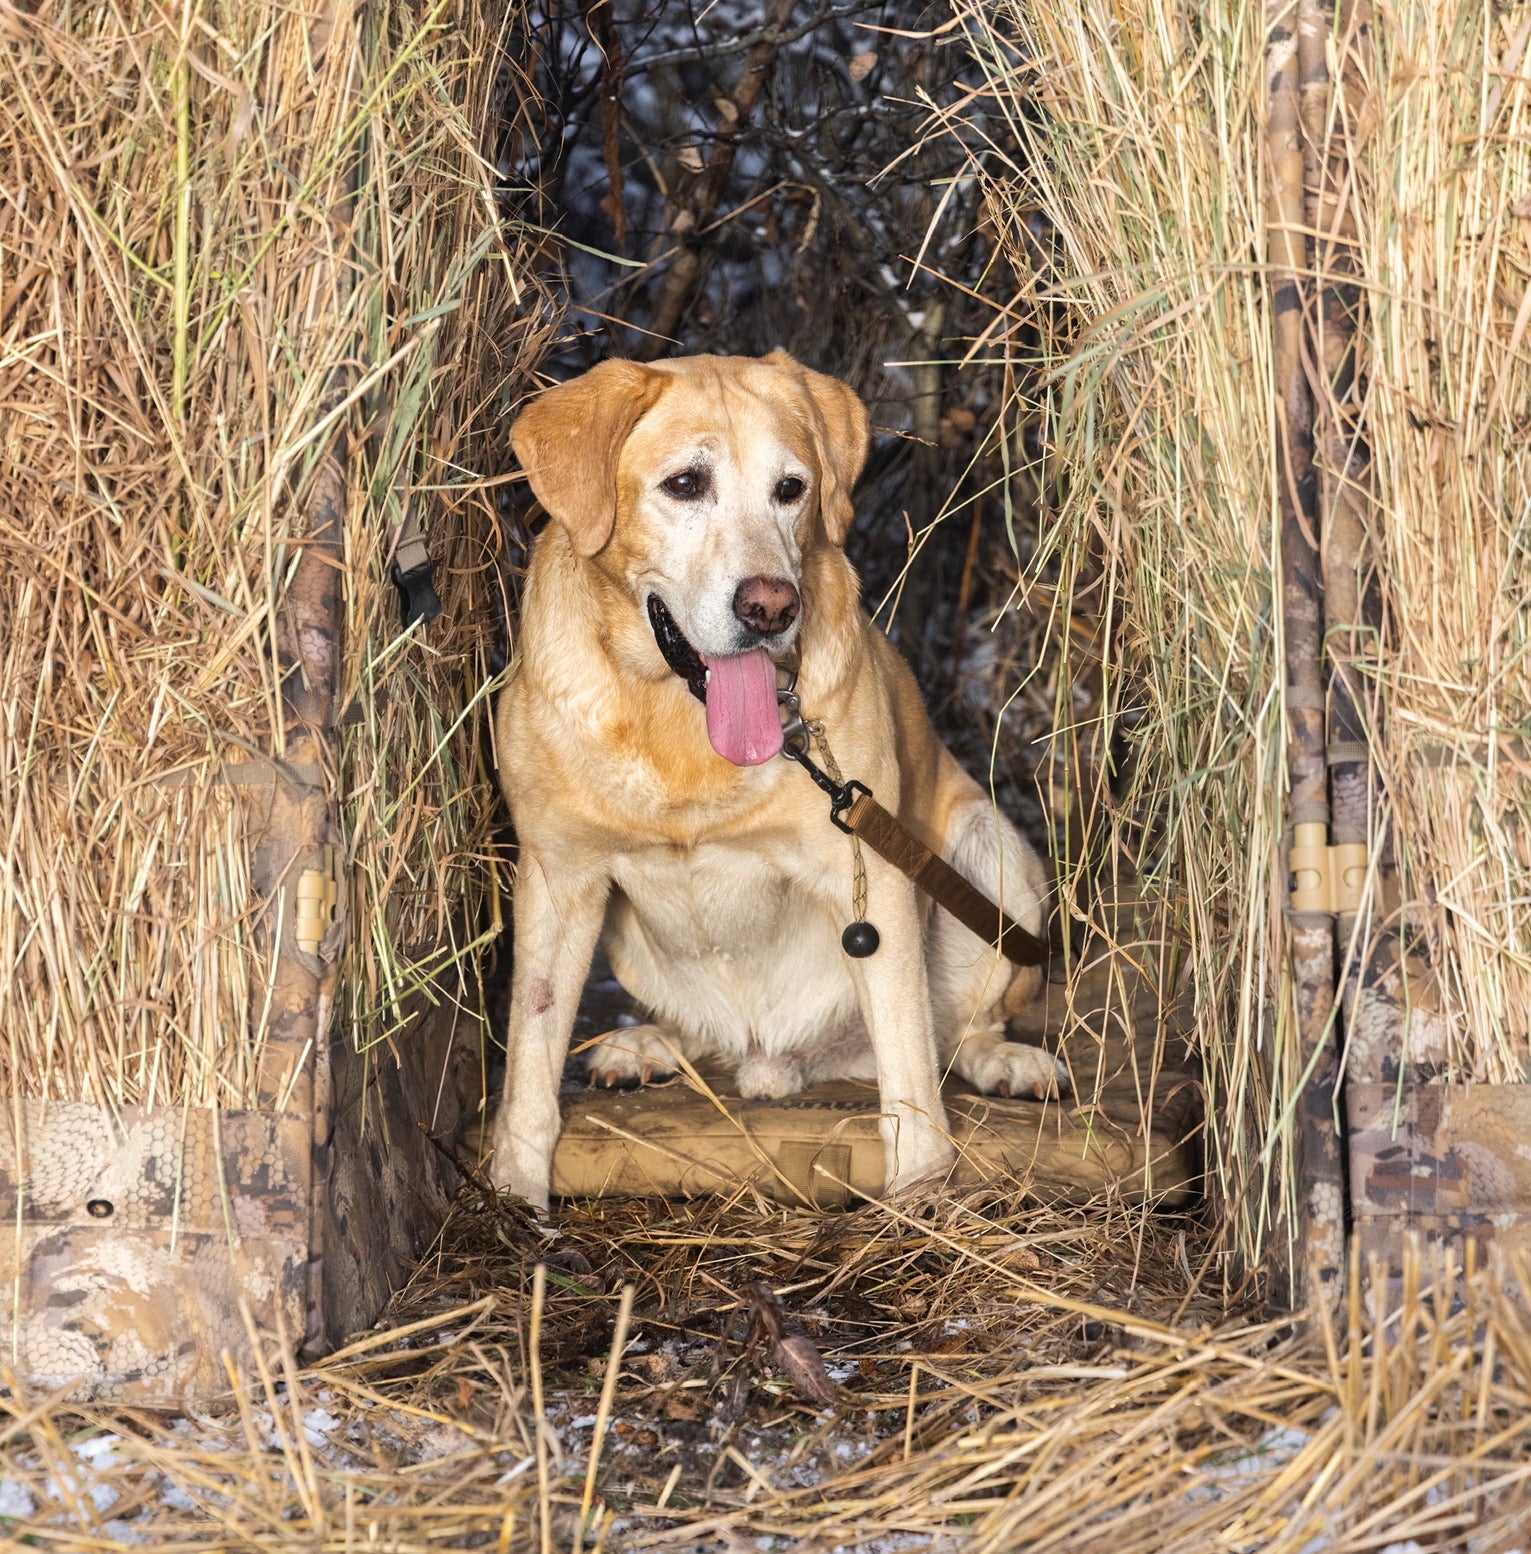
(418, 599)
(842, 803)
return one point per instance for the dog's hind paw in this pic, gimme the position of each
(633, 1055)
(1010, 1069)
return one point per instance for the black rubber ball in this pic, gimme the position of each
(860, 940)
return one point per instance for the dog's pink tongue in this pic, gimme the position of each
(742, 721)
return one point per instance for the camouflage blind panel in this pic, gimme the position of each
(1451, 1163)
(133, 1242)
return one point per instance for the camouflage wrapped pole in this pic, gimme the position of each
(295, 867)
(294, 856)
(1404, 1165)
(1375, 973)
(1329, 112)
(1318, 1250)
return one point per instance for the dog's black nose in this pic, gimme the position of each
(766, 605)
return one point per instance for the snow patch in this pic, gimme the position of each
(16, 1502)
(317, 1423)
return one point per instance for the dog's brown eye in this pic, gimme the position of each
(688, 485)
(790, 489)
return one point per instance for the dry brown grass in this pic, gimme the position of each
(208, 222)
(1137, 333)
(1447, 249)
(1009, 1376)
(1141, 347)
(229, 236)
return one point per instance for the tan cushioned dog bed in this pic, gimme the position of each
(823, 1147)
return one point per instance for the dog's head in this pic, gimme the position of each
(702, 483)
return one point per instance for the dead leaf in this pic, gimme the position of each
(576, 1268)
(691, 159)
(682, 1405)
(657, 1367)
(955, 425)
(797, 1357)
(862, 65)
(804, 1368)
(765, 1311)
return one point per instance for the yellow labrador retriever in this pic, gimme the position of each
(709, 497)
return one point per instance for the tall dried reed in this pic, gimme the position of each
(1446, 235)
(232, 239)
(1122, 150)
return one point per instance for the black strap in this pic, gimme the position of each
(418, 599)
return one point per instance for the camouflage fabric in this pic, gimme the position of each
(1448, 1162)
(130, 1240)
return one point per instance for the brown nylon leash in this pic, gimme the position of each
(882, 832)
(858, 814)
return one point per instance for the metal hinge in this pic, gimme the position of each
(1324, 878)
(318, 897)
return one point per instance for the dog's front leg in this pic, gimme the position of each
(557, 919)
(894, 995)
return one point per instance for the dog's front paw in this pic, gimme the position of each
(633, 1055)
(518, 1170)
(1010, 1069)
(917, 1155)
(769, 1077)
(915, 1174)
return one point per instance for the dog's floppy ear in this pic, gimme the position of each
(843, 430)
(569, 439)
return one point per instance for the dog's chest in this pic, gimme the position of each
(710, 901)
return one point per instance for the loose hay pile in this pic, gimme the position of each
(1154, 389)
(1005, 1376)
(236, 242)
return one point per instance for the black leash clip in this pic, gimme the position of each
(849, 793)
(418, 599)
(796, 740)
